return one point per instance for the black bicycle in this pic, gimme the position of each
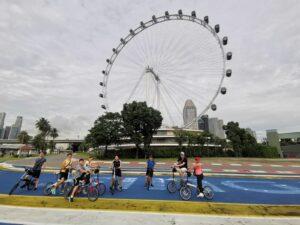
(175, 185)
(25, 181)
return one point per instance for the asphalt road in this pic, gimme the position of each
(230, 190)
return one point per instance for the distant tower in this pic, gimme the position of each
(16, 128)
(2, 118)
(203, 123)
(190, 115)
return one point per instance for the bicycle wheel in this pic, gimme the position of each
(92, 193)
(171, 186)
(185, 193)
(67, 191)
(30, 185)
(208, 193)
(13, 188)
(101, 188)
(47, 188)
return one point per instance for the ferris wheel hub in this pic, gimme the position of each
(151, 71)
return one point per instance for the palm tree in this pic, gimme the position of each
(24, 137)
(54, 134)
(43, 126)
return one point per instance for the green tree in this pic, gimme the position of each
(53, 134)
(23, 137)
(39, 142)
(180, 137)
(43, 125)
(107, 130)
(140, 123)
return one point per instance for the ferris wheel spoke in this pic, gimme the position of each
(135, 87)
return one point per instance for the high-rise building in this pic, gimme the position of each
(203, 123)
(190, 115)
(6, 132)
(216, 127)
(2, 119)
(251, 132)
(16, 128)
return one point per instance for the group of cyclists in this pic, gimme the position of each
(85, 168)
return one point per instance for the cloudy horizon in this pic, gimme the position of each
(53, 52)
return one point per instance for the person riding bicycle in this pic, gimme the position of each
(116, 172)
(83, 175)
(35, 172)
(150, 169)
(63, 173)
(182, 165)
(198, 173)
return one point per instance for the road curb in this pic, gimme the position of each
(160, 206)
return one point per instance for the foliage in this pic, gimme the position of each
(107, 130)
(39, 142)
(23, 137)
(140, 124)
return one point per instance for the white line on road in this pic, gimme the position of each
(216, 164)
(231, 171)
(258, 171)
(235, 164)
(257, 165)
(284, 172)
(276, 165)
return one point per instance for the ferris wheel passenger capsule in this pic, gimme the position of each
(101, 84)
(123, 41)
(114, 50)
(206, 19)
(193, 14)
(103, 107)
(213, 107)
(217, 28)
(229, 55)
(167, 15)
(108, 61)
(104, 72)
(223, 90)
(225, 40)
(228, 73)
(131, 32)
(154, 19)
(142, 24)
(180, 13)
(101, 95)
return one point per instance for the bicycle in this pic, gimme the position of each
(96, 182)
(115, 185)
(83, 188)
(172, 185)
(47, 190)
(26, 180)
(186, 191)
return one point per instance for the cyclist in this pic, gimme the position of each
(35, 172)
(181, 165)
(63, 173)
(150, 169)
(83, 175)
(198, 173)
(117, 173)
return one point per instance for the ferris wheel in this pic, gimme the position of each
(166, 61)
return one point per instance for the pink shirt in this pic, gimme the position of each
(198, 169)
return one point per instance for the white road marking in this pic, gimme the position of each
(160, 163)
(227, 170)
(276, 165)
(295, 166)
(207, 170)
(142, 163)
(216, 164)
(257, 171)
(255, 165)
(235, 164)
(284, 172)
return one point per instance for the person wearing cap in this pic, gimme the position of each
(198, 173)
(182, 164)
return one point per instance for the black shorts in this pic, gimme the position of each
(83, 177)
(149, 172)
(63, 175)
(118, 173)
(34, 173)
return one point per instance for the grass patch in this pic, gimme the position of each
(154, 206)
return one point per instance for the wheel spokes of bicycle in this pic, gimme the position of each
(186, 191)
(25, 181)
(88, 190)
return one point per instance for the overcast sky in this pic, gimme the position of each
(52, 53)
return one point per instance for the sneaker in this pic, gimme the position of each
(53, 191)
(71, 199)
(200, 195)
(35, 189)
(151, 185)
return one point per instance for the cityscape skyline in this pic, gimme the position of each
(43, 75)
(12, 131)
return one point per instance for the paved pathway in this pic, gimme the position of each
(227, 189)
(25, 215)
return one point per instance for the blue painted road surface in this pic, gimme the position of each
(230, 190)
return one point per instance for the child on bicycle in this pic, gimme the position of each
(82, 176)
(116, 172)
(149, 172)
(63, 173)
(35, 172)
(198, 173)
